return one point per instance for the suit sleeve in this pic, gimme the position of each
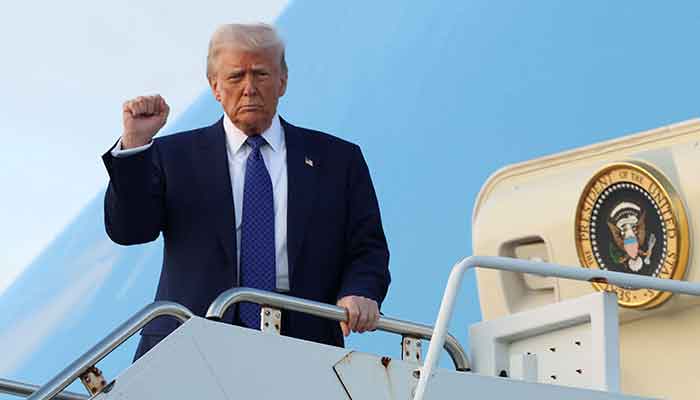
(118, 152)
(366, 270)
(133, 206)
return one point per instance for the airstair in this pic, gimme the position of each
(567, 350)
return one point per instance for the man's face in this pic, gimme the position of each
(248, 85)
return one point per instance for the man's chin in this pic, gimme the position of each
(253, 126)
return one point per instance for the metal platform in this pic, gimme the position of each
(208, 359)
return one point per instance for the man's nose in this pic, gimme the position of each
(249, 88)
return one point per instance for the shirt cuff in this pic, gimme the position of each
(118, 152)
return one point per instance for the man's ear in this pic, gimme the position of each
(213, 84)
(283, 88)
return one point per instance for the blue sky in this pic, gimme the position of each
(68, 69)
(439, 97)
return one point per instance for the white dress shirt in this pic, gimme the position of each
(275, 157)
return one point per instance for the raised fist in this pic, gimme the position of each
(143, 117)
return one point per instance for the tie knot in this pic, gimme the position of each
(256, 142)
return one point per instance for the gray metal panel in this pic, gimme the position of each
(575, 342)
(209, 360)
(366, 376)
(453, 385)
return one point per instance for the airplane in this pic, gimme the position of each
(590, 293)
(498, 100)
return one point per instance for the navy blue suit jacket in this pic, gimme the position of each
(181, 187)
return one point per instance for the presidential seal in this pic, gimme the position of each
(629, 219)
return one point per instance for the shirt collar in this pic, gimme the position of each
(235, 138)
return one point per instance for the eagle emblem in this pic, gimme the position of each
(627, 226)
(629, 219)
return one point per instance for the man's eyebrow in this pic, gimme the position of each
(234, 72)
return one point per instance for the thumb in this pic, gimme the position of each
(344, 327)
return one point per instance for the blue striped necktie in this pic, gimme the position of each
(257, 255)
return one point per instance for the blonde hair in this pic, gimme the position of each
(249, 37)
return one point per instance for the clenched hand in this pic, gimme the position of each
(363, 314)
(143, 117)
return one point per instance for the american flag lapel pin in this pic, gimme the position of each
(309, 161)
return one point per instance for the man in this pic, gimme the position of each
(250, 201)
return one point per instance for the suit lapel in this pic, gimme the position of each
(215, 182)
(303, 164)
